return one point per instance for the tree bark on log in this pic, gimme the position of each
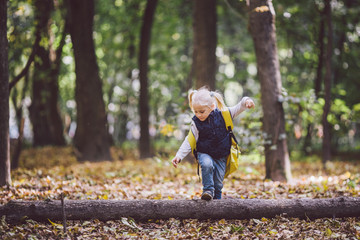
(105, 210)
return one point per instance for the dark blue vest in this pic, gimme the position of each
(213, 139)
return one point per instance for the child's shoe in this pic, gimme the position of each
(206, 195)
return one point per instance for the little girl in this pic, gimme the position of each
(212, 138)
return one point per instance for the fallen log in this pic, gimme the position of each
(104, 210)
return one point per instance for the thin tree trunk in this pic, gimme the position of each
(205, 40)
(326, 148)
(44, 111)
(319, 69)
(142, 210)
(318, 79)
(144, 143)
(262, 29)
(40, 93)
(120, 127)
(338, 69)
(92, 140)
(18, 147)
(15, 153)
(349, 4)
(187, 43)
(5, 177)
(56, 126)
(307, 141)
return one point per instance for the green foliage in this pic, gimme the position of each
(20, 34)
(117, 36)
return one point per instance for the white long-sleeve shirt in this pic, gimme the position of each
(185, 147)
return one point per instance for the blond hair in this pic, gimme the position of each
(205, 97)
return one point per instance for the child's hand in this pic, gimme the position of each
(175, 161)
(249, 103)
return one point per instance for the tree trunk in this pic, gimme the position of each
(318, 79)
(205, 40)
(306, 148)
(144, 143)
(92, 140)
(188, 82)
(15, 153)
(262, 29)
(142, 210)
(326, 148)
(320, 43)
(5, 177)
(18, 102)
(341, 40)
(44, 111)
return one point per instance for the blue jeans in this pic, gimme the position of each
(212, 173)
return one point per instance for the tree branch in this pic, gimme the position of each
(27, 66)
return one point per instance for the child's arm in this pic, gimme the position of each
(185, 147)
(245, 103)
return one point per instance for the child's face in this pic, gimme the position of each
(202, 112)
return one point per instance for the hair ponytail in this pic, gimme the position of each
(190, 99)
(219, 100)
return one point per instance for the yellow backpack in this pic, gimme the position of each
(232, 163)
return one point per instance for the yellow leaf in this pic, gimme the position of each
(137, 179)
(54, 224)
(222, 221)
(167, 129)
(170, 198)
(158, 196)
(328, 232)
(273, 232)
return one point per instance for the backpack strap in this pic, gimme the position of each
(192, 142)
(227, 118)
(229, 123)
(232, 161)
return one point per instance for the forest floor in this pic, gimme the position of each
(45, 173)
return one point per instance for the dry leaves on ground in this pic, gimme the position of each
(57, 172)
